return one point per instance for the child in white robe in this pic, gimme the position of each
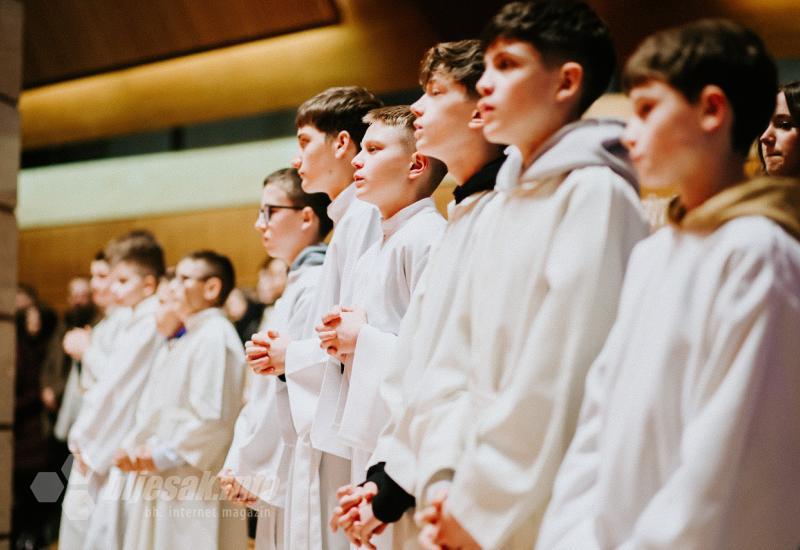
(109, 406)
(91, 347)
(185, 420)
(448, 128)
(398, 180)
(686, 437)
(497, 406)
(292, 225)
(329, 134)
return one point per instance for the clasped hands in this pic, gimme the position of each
(440, 530)
(354, 514)
(339, 329)
(265, 352)
(234, 491)
(141, 461)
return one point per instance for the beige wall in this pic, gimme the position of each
(10, 63)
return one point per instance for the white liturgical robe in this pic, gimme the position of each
(687, 436)
(498, 403)
(385, 277)
(77, 508)
(190, 406)
(315, 475)
(260, 455)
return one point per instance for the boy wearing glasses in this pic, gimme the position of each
(185, 420)
(329, 133)
(256, 468)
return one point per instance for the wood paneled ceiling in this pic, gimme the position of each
(66, 39)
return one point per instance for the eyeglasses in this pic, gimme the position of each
(265, 213)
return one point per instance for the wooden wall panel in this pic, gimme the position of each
(49, 257)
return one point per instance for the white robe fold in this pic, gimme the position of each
(260, 454)
(76, 508)
(498, 403)
(385, 278)
(190, 405)
(315, 475)
(686, 437)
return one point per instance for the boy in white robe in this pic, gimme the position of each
(185, 420)
(292, 225)
(497, 406)
(90, 348)
(109, 405)
(329, 132)
(449, 128)
(686, 438)
(398, 180)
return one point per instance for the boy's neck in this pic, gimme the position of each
(710, 179)
(469, 162)
(530, 149)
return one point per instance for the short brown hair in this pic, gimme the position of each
(218, 266)
(712, 52)
(140, 248)
(338, 109)
(561, 31)
(289, 181)
(462, 61)
(400, 116)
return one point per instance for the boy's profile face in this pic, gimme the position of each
(100, 283)
(315, 159)
(518, 94)
(129, 286)
(383, 164)
(443, 114)
(194, 290)
(279, 233)
(664, 135)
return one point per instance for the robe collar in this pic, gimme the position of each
(146, 307)
(393, 224)
(201, 317)
(777, 199)
(580, 144)
(483, 180)
(339, 205)
(310, 256)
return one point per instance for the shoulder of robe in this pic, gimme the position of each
(761, 243)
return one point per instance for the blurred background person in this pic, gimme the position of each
(779, 145)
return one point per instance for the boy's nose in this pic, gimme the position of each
(296, 162)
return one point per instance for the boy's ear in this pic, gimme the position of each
(714, 108)
(419, 163)
(308, 217)
(211, 289)
(476, 120)
(342, 144)
(570, 81)
(150, 284)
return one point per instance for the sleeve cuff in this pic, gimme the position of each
(392, 501)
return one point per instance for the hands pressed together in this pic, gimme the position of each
(265, 352)
(339, 329)
(439, 529)
(354, 514)
(141, 461)
(233, 490)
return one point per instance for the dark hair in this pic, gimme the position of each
(100, 256)
(138, 247)
(462, 61)
(712, 52)
(289, 181)
(561, 31)
(338, 109)
(218, 266)
(791, 91)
